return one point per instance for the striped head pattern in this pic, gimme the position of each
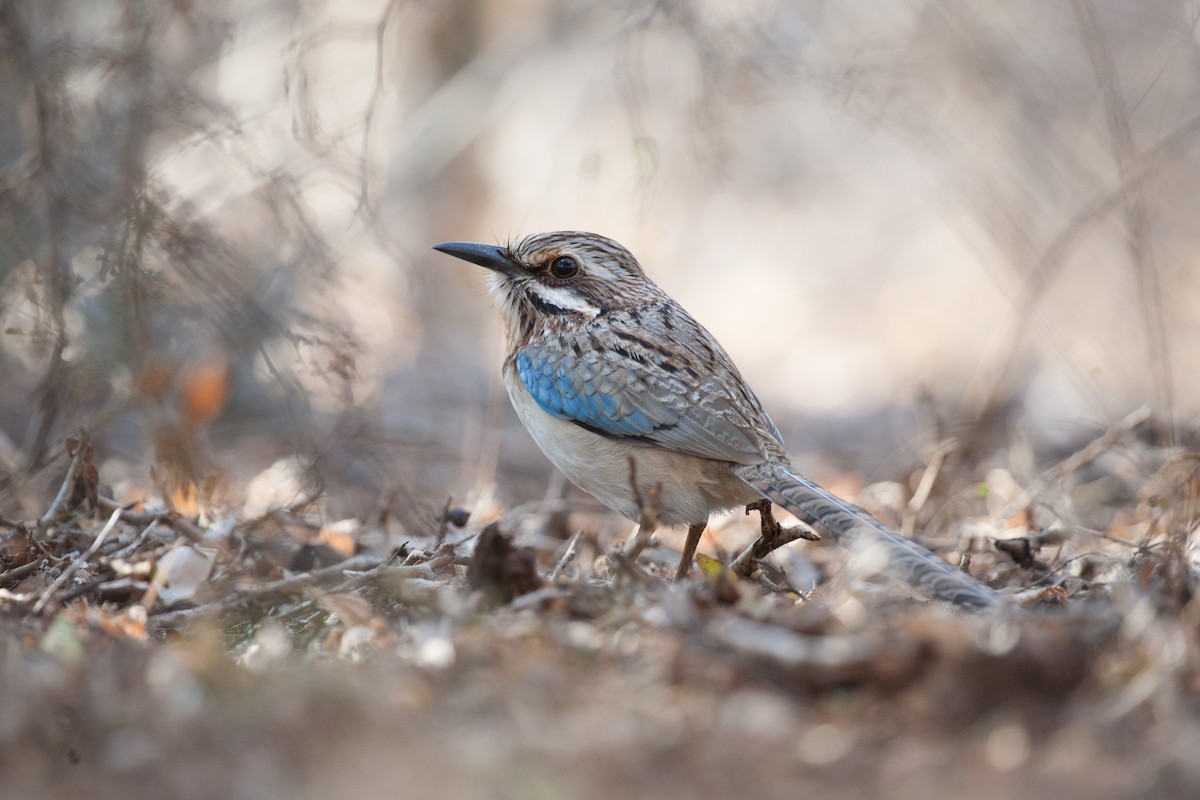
(549, 281)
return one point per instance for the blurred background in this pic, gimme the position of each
(906, 221)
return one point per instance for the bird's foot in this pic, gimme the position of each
(772, 537)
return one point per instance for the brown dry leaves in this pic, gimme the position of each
(353, 657)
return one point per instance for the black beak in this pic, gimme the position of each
(492, 256)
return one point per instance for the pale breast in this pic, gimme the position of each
(690, 489)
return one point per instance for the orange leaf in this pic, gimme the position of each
(203, 391)
(342, 536)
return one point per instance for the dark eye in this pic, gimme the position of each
(564, 267)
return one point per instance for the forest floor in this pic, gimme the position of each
(183, 653)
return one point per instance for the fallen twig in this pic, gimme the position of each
(629, 568)
(77, 563)
(67, 484)
(443, 522)
(17, 573)
(169, 619)
(285, 585)
(179, 524)
(925, 486)
(538, 596)
(567, 557)
(130, 548)
(106, 588)
(649, 510)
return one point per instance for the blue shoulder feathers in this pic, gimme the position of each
(567, 396)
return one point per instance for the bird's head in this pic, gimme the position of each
(564, 277)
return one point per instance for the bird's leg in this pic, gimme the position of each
(768, 526)
(772, 537)
(689, 550)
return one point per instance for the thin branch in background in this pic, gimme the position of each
(1075, 461)
(44, 91)
(1137, 220)
(364, 168)
(985, 395)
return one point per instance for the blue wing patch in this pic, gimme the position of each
(611, 396)
(562, 395)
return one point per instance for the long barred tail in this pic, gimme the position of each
(858, 531)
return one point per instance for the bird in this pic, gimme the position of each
(631, 398)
